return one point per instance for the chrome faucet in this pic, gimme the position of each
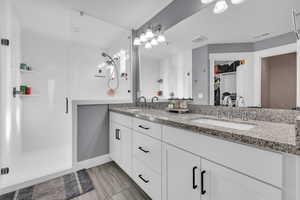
(227, 101)
(240, 102)
(145, 100)
(152, 100)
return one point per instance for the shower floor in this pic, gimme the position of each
(29, 166)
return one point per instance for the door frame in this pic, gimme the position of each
(276, 51)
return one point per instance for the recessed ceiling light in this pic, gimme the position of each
(220, 7)
(262, 35)
(199, 39)
(237, 1)
(206, 1)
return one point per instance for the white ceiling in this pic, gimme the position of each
(125, 13)
(240, 23)
(103, 23)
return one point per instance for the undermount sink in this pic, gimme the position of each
(225, 124)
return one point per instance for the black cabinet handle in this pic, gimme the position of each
(194, 178)
(146, 128)
(143, 150)
(67, 105)
(118, 134)
(141, 177)
(203, 191)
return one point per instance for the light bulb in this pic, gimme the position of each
(220, 7)
(206, 1)
(237, 1)
(149, 34)
(143, 37)
(137, 42)
(154, 42)
(161, 38)
(148, 45)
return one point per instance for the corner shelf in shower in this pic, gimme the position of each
(30, 95)
(27, 71)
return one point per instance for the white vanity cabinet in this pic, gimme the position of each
(221, 183)
(190, 177)
(182, 174)
(174, 164)
(121, 145)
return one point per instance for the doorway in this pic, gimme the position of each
(279, 81)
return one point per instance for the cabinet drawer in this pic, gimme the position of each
(147, 150)
(147, 179)
(121, 119)
(148, 128)
(263, 165)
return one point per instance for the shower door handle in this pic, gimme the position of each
(67, 105)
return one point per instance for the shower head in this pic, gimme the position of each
(104, 54)
(109, 59)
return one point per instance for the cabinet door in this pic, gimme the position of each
(126, 149)
(115, 143)
(183, 175)
(222, 183)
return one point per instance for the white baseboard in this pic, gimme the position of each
(92, 162)
(78, 166)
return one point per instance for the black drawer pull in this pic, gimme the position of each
(203, 191)
(141, 177)
(146, 128)
(194, 178)
(143, 150)
(118, 134)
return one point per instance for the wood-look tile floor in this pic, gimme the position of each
(112, 183)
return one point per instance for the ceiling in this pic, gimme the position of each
(125, 13)
(240, 23)
(103, 22)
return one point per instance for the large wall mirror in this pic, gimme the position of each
(236, 58)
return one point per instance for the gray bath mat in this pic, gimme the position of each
(62, 188)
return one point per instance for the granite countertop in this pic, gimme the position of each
(273, 136)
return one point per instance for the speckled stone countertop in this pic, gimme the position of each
(280, 137)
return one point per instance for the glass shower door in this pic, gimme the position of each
(36, 133)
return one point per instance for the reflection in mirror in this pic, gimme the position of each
(165, 71)
(225, 82)
(245, 56)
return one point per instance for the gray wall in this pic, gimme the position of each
(280, 40)
(229, 48)
(93, 131)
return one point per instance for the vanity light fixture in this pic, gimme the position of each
(143, 37)
(149, 34)
(152, 37)
(220, 7)
(154, 42)
(161, 38)
(137, 42)
(148, 45)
